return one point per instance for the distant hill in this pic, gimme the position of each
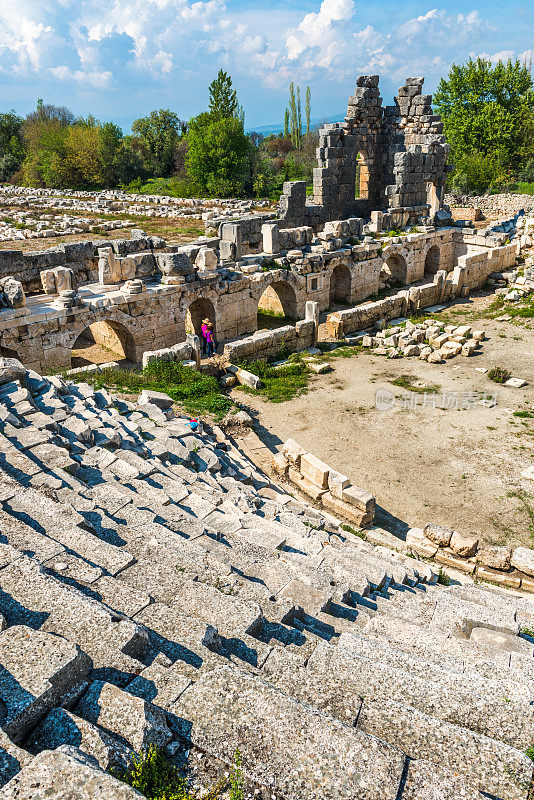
(315, 121)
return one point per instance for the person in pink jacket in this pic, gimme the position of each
(207, 337)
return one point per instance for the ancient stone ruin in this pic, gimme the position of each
(159, 588)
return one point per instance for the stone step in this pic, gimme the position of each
(428, 670)
(37, 671)
(62, 727)
(484, 763)
(138, 722)
(53, 770)
(494, 714)
(197, 644)
(29, 597)
(460, 616)
(284, 745)
(375, 571)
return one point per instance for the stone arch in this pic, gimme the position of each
(340, 284)
(278, 300)
(394, 271)
(200, 309)
(103, 340)
(432, 260)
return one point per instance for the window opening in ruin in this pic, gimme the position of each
(101, 342)
(277, 306)
(362, 179)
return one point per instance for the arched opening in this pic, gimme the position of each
(277, 305)
(199, 310)
(394, 272)
(103, 341)
(432, 260)
(340, 284)
(361, 190)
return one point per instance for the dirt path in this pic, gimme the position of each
(459, 467)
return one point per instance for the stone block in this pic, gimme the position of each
(495, 557)
(359, 498)
(135, 720)
(465, 546)
(70, 770)
(523, 560)
(438, 534)
(293, 452)
(37, 671)
(315, 470)
(420, 544)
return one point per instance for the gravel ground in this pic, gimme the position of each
(458, 467)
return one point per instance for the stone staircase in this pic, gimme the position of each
(157, 588)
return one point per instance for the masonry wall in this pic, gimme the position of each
(268, 344)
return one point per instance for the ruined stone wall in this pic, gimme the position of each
(80, 257)
(377, 159)
(268, 344)
(493, 206)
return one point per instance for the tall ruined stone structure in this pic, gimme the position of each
(379, 159)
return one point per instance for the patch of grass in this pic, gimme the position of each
(282, 383)
(197, 393)
(269, 312)
(443, 578)
(410, 383)
(153, 775)
(236, 779)
(520, 495)
(524, 414)
(353, 531)
(499, 374)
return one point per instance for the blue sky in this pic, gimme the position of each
(119, 59)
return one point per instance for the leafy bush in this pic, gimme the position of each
(499, 374)
(152, 774)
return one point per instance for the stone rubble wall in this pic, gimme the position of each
(80, 257)
(264, 345)
(492, 205)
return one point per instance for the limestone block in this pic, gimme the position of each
(38, 669)
(280, 464)
(438, 534)
(498, 640)
(465, 546)
(418, 542)
(495, 557)
(359, 498)
(314, 470)
(12, 293)
(337, 482)
(62, 727)
(55, 770)
(270, 238)
(206, 259)
(108, 269)
(523, 560)
(135, 720)
(158, 399)
(293, 452)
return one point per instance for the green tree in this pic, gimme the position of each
(488, 113)
(295, 114)
(308, 109)
(223, 97)
(11, 145)
(218, 155)
(286, 124)
(158, 135)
